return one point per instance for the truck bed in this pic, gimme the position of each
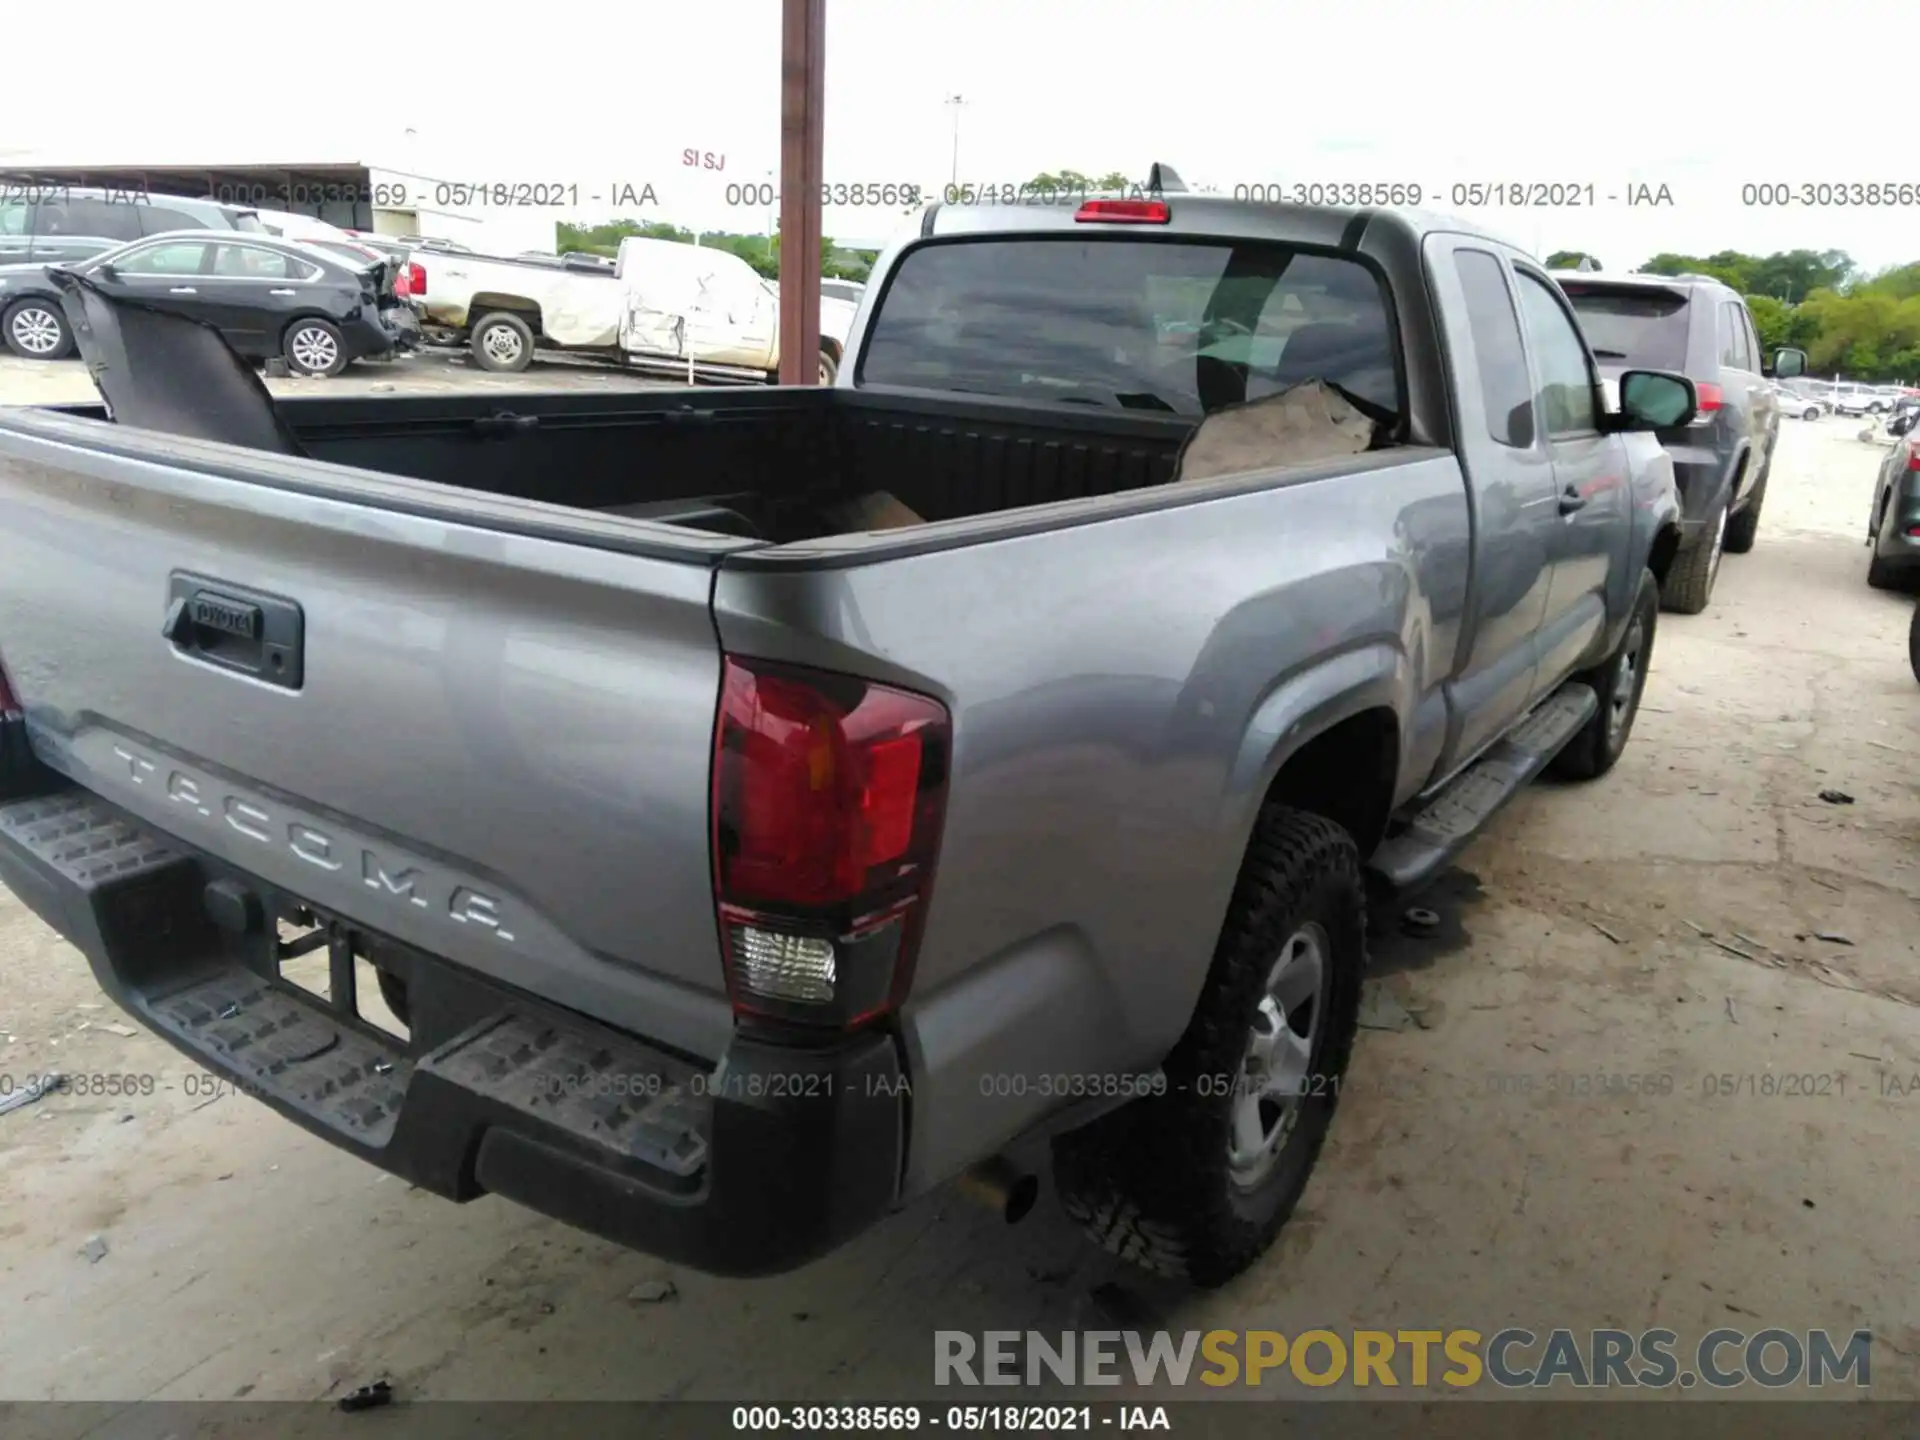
(771, 455)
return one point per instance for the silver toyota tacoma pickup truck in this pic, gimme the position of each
(763, 806)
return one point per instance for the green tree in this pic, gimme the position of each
(1792, 275)
(1772, 321)
(1568, 259)
(1902, 282)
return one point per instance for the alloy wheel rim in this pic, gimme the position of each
(1271, 1089)
(502, 343)
(36, 331)
(313, 349)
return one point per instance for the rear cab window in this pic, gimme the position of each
(1642, 326)
(1181, 327)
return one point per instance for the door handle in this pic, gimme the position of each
(1571, 500)
(280, 292)
(183, 290)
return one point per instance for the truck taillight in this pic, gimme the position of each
(412, 280)
(1913, 455)
(828, 797)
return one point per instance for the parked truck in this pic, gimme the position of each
(661, 306)
(745, 858)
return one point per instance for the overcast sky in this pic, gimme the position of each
(1230, 92)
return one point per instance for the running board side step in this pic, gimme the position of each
(1446, 821)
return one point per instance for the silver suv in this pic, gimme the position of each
(1699, 327)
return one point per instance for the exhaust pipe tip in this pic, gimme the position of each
(1001, 1185)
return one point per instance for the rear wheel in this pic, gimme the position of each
(1689, 584)
(36, 329)
(829, 367)
(502, 342)
(1882, 575)
(314, 347)
(1743, 529)
(1195, 1182)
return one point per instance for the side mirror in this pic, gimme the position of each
(1901, 423)
(1655, 400)
(105, 271)
(1789, 363)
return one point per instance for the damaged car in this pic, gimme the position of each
(318, 310)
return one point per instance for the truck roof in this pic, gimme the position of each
(1210, 215)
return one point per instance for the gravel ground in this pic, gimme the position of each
(1466, 1183)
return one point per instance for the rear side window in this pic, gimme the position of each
(1497, 353)
(159, 219)
(1630, 325)
(1753, 340)
(1176, 326)
(92, 219)
(1734, 351)
(15, 216)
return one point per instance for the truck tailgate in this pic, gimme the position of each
(492, 746)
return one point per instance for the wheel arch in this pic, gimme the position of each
(486, 302)
(1331, 741)
(1665, 547)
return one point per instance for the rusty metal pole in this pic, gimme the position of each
(803, 88)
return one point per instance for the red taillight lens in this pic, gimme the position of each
(1711, 396)
(828, 798)
(412, 280)
(1125, 212)
(1913, 455)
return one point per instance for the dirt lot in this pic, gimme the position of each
(1464, 1185)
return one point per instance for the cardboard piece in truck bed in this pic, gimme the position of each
(1302, 425)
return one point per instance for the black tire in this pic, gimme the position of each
(1883, 575)
(1744, 528)
(36, 328)
(502, 342)
(1913, 643)
(1812, 412)
(1619, 680)
(1689, 584)
(1153, 1182)
(313, 346)
(829, 367)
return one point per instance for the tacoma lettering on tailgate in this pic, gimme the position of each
(394, 879)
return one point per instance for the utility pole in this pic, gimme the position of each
(954, 102)
(803, 79)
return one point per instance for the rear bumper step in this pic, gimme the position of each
(757, 1166)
